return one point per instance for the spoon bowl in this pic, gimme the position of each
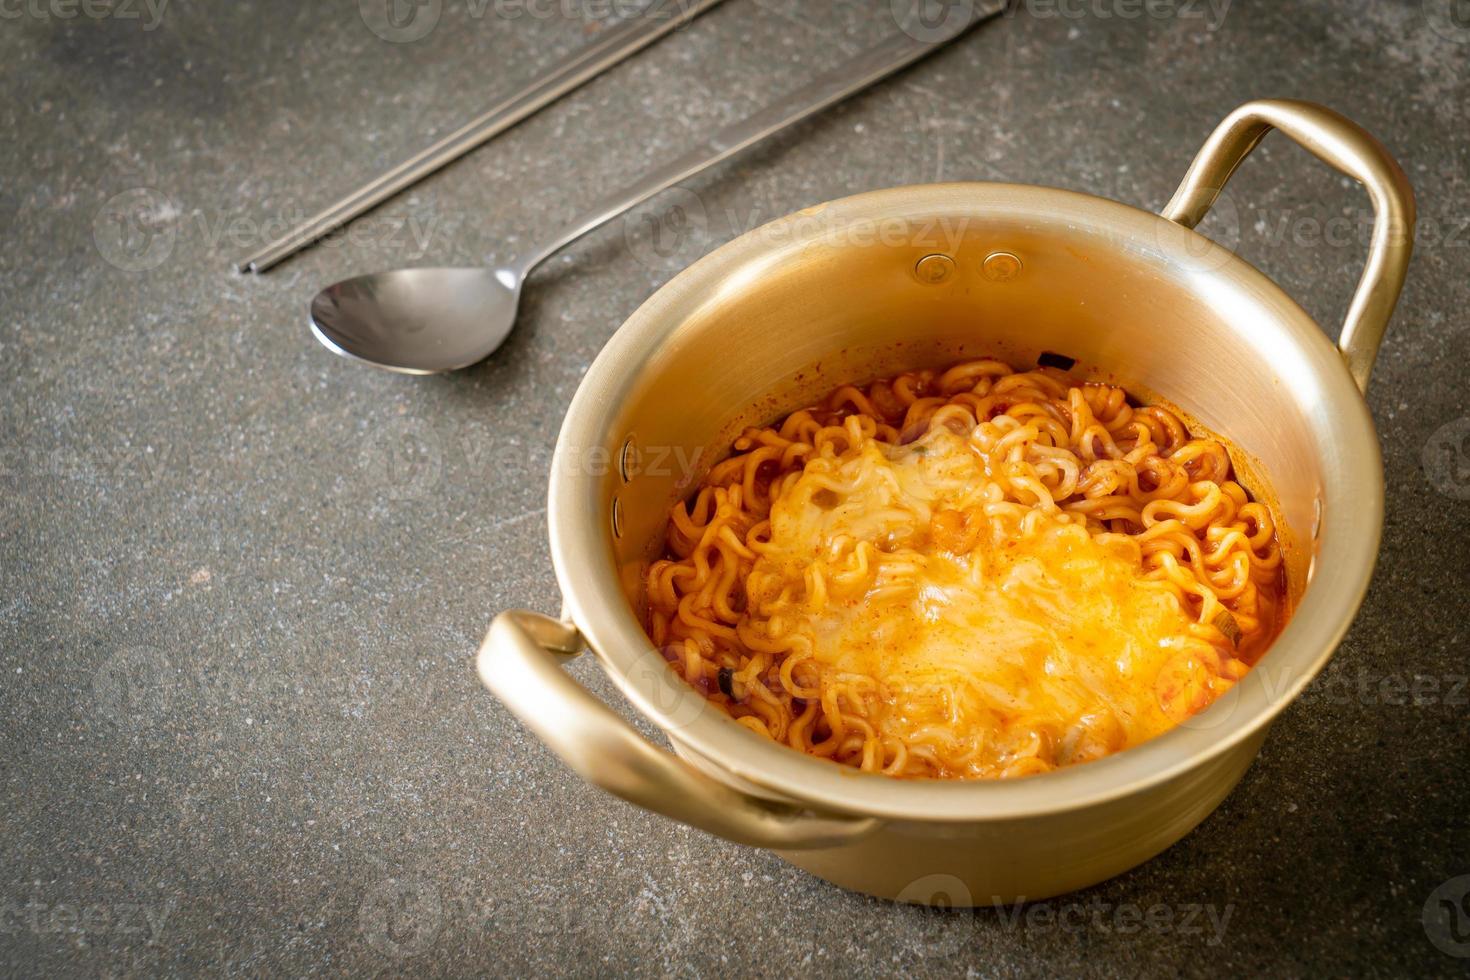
(418, 321)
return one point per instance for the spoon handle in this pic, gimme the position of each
(899, 50)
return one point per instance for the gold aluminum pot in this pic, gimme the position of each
(848, 291)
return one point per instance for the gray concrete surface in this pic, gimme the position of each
(241, 579)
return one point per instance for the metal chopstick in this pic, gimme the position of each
(626, 39)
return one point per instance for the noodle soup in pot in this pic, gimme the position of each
(969, 572)
(1015, 616)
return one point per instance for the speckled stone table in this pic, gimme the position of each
(241, 579)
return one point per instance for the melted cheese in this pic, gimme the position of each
(986, 636)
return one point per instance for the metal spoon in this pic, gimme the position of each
(423, 321)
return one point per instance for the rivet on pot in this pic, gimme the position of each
(628, 460)
(1001, 266)
(617, 518)
(934, 269)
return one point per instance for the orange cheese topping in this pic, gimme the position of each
(977, 631)
(967, 573)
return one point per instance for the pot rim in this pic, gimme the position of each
(1347, 549)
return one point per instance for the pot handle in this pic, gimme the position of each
(1346, 146)
(520, 662)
